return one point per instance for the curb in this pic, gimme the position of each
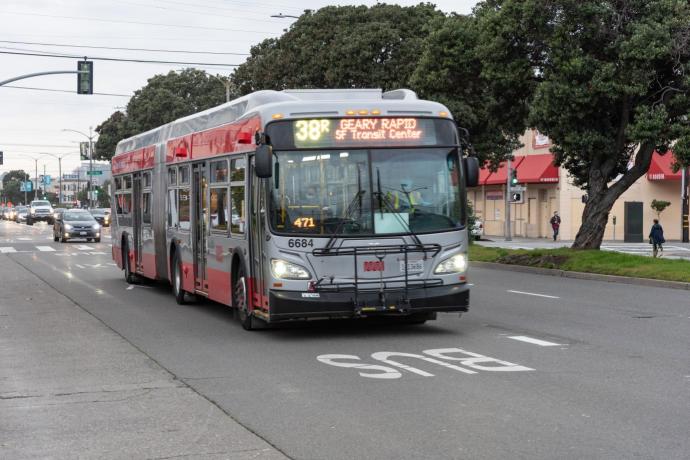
(583, 276)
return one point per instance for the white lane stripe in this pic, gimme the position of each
(83, 247)
(45, 248)
(6, 249)
(541, 343)
(534, 294)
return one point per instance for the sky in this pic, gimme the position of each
(32, 120)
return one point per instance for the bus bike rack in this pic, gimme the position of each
(381, 287)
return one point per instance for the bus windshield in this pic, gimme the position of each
(367, 192)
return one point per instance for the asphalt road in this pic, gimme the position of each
(541, 367)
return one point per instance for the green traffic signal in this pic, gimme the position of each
(513, 177)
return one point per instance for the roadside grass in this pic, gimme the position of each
(587, 261)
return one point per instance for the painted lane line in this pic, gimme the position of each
(45, 248)
(534, 294)
(6, 249)
(83, 247)
(541, 343)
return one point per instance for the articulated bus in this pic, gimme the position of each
(300, 204)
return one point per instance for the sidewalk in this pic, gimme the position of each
(672, 249)
(70, 387)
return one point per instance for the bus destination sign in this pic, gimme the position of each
(328, 132)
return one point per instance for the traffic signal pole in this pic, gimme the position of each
(509, 176)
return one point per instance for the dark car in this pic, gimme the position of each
(76, 223)
(101, 215)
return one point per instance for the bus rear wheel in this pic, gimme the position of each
(179, 293)
(130, 277)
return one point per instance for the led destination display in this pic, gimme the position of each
(353, 132)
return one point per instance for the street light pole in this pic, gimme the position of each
(509, 175)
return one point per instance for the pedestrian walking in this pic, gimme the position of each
(555, 224)
(656, 239)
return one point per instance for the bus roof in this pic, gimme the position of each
(291, 103)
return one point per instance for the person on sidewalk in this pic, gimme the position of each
(555, 224)
(656, 238)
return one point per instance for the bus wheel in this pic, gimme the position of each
(130, 277)
(239, 300)
(177, 281)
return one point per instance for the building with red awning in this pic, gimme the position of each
(548, 188)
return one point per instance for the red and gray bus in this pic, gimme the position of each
(300, 204)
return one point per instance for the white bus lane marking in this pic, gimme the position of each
(541, 343)
(45, 248)
(533, 294)
(7, 249)
(473, 363)
(83, 247)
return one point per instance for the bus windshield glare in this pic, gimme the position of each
(367, 191)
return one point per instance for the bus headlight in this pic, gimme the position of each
(455, 264)
(287, 270)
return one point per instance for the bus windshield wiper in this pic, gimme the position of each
(355, 204)
(383, 200)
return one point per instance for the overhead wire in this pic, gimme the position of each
(149, 50)
(62, 90)
(101, 58)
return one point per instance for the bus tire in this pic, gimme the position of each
(97, 240)
(130, 277)
(178, 292)
(239, 300)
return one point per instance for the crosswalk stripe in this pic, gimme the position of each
(7, 249)
(84, 247)
(45, 248)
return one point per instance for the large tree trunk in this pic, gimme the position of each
(602, 197)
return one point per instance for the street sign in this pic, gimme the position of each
(94, 173)
(70, 176)
(46, 180)
(26, 186)
(84, 150)
(518, 188)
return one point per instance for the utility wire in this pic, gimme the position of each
(258, 17)
(121, 49)
(62, 90)
(140, 61)
(179, 26)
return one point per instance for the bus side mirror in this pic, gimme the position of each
(471, 165)
(264, 161)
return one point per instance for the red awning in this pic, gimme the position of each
(531, 169)
(486, 177)
(660, 168)
(536, 169)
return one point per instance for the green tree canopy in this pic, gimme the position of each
(607, 81)
(163, 99)
(11, 187)
(340, 47)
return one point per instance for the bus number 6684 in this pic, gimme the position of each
(300, 243)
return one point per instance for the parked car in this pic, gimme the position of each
(101, 216)
(21, 213)
(76, 223)
(40, 210)
(477, 230)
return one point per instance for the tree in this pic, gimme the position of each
(608, 83)
(658, 206)
(164, 99)
(340, 47)
(11, 186)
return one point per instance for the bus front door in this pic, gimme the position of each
(200, 226)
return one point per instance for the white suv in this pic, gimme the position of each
(40, 210)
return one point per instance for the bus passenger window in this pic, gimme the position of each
(238, 215)
(172, 176)
(126, 182)
(118, 183)
(147, 179)
(184, 200)
(219, 208)
(219, 171)
(124, 203)
(184, 175)
(237, 173)
(172, 208)
(146, 212)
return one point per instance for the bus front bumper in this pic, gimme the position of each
(289, 305)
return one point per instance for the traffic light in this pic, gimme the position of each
(85, 77)
(513, 177)
(516, 197)
(0, 157)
